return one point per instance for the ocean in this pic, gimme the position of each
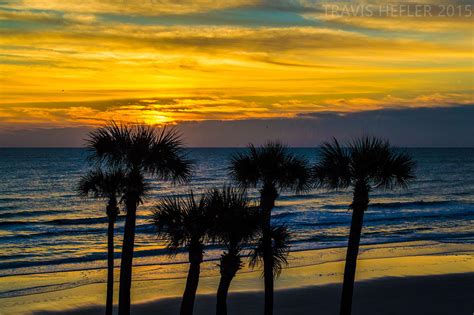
(46, 227)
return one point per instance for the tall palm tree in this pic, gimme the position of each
(271, 168)
(107, 186)
(185, 222)
(235, 223)
(139, 151)
(363, 165)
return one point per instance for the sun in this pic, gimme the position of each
(157, 118)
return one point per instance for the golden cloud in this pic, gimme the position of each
(146, 7)
(79, 69)
(170, 111)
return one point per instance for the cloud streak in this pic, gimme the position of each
(82, 63)
(414, 127)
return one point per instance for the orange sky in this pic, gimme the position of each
(70, 63)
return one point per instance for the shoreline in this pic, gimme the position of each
(412, 243)
(439, 294)
(71, 290)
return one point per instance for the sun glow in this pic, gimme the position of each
(85, 63)
(157, 119)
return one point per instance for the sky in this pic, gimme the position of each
(228, 73)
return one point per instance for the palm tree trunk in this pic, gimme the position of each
(224, 284)
(359, 205)
(267, 203)
(127, 258)
(110, 268)
(268, 272)
(230, 263)
(195, 259)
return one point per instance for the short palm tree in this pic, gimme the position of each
(185, 223)
(364, 164)
(138, 151)
(271, 168)
(280, 238)
(235, 224)
(108, 186)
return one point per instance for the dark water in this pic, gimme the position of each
(44, 226)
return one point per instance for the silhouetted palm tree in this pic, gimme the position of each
(185, 222)
(271, 168)
(365, 164)
(107, 186)
(138, 151)
(235, 223)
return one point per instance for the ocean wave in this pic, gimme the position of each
(13, 223)
(323, 238)
(335, 207)
(4, 207)
(323, 223)
(10, 199)
(398, 204)
(91, 257)
(79, 221)
(461, 193)
(419, 203)
(140, 228)
(61, 222)
(31, 213)
(404, 218)
(302, 196)
(380, 237)
(48, 234)
(396, 232)
(284, 215)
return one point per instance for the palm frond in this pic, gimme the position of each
(169, 222)
(367, 155)
(99, 184)
(89, 184)
(109, 144)
(244, 168)
(273, 164)
(398, 170)
(235, 220)
(333, 170)
(143, 138)
(375, 161)
(140, 147)
(230, 263)
(296, 176)
(280, 237)
(182, 221)
(167, 158)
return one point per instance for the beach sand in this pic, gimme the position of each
(401, 278)
(446, 294)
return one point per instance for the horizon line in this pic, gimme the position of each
(243, 147)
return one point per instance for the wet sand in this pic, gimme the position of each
(397, 278)
(446, 294)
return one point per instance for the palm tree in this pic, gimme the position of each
(109, 186)
(271, 168)
(235, 223)
(185, 222)
(138, 151)
(363, 165)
